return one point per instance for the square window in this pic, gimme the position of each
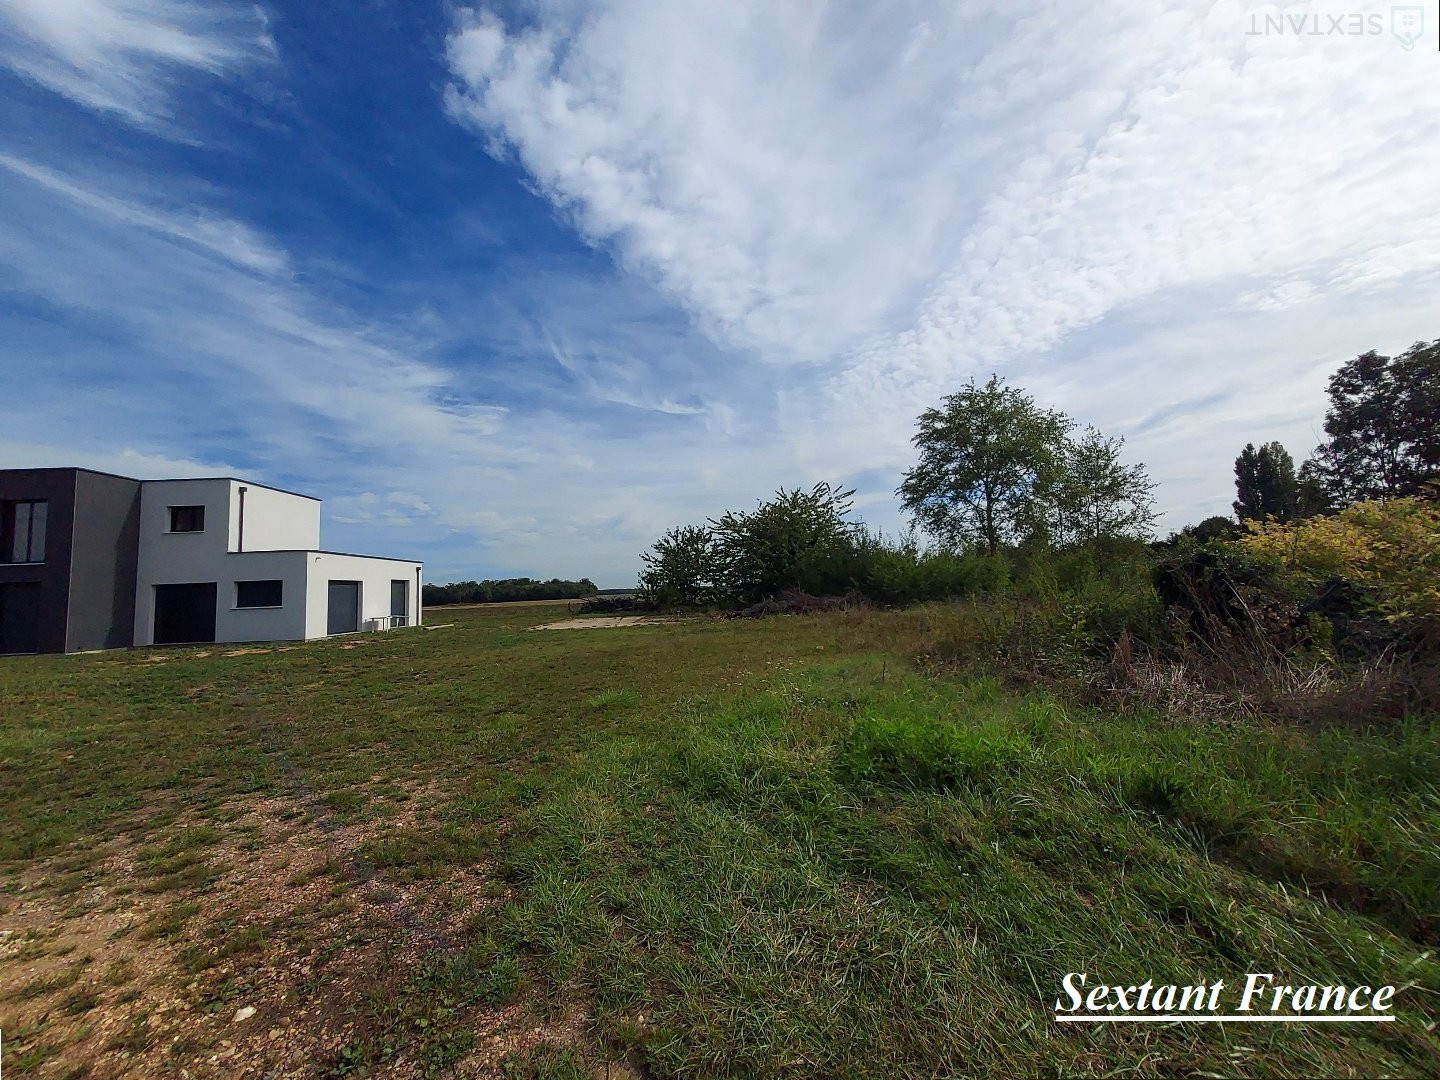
(187, 519)
(22, 531)
(259, 593)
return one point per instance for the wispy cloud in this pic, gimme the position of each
(765, 237)
(233, 241)
(122, 56)
(907, 196)
(221, 348)
(544, 419)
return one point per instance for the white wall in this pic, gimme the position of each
(167, 558)
(274, 520)
(374, 576)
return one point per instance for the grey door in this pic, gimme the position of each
(400, 601)
(20, 617)
(344, 608)
(184, 614)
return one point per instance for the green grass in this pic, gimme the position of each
(766, 848)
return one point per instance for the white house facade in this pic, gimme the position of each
(154, 562)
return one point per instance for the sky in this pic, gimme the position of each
(516, 287)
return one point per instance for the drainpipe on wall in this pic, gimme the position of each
(240, 545)
(417, 596)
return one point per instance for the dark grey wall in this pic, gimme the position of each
(104, 555)
(57, 487)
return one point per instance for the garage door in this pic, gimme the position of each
(185, 614)
(344, 608)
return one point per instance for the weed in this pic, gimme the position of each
(928, 753)
(545, 1062)
(169, 922)
(613, 700)
(81, 1000)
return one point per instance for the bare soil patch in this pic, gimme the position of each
(250, 944)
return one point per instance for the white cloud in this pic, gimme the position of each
(1143, 215)
(211, 343)
(211, 298)
(121, 460)
(120, 56)
(233, 241)
(908, 194)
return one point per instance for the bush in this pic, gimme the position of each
(902, 574)
(799, 541)
(1219, 589)
(680, 568)
(805, 543)
(1392, 548)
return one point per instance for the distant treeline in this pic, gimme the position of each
(509, 589)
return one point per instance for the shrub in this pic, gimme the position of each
(1392, 547)
(680, 568)
(801, 541)
(900, 573)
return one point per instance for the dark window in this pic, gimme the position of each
(400, 601)
(184, 613)
(22, 531)
(187, 519)
(259, 593)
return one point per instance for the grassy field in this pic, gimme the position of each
(707, 848)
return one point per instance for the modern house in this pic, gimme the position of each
(89, 560)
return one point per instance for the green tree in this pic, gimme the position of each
(1097, 497)
(507, 589)
(680, 567)
(1212, 528)
(1311, 496)
(1265, 484)
(985, 457)
(1383, 426)
(801, 540)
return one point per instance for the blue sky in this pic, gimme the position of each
(516, 287)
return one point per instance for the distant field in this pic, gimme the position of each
(708, 848)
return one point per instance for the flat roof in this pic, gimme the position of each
(160, 480)
(69, 469)
(321, 551)
(233, 480)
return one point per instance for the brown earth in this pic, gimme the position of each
(254, 955)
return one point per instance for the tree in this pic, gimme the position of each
(1212, 528)
(985, 454)
(1383, 426)
(1311, 496)
(1265, 483)
(1097, 497)
(800, 540)
(680, 567)
(507, 589)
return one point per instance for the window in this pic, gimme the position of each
(187, 519)
(399, 602)
(22, 531)
(259, 593)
